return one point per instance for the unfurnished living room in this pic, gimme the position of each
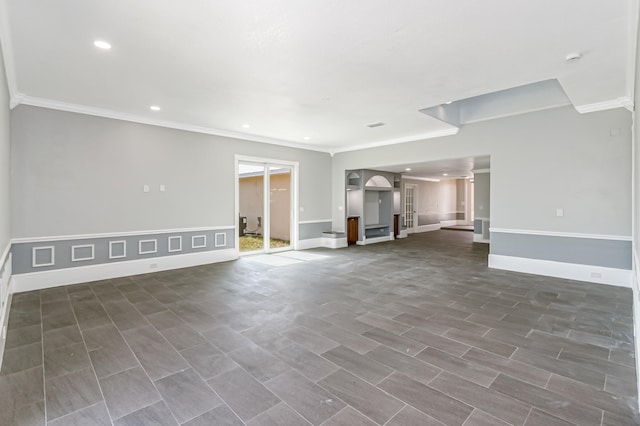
(287, 212)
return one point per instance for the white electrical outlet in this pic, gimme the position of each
(145, 188)
(560, 212)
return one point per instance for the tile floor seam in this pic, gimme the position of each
(44, 379)
(528, 415)
(138, 366)
(341, 410)
(84, 342)
(396, 413)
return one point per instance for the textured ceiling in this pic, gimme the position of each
(321, 70)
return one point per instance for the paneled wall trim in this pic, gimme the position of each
(51, 253)
(605, 259)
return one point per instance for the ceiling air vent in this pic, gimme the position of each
(378, 124)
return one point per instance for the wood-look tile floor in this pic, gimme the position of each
(413, 332)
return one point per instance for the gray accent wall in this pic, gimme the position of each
(583, 251)
(308, 231)
(24, 256)
(5, 161)
(540, 161)
(78, 174)
(482, 194)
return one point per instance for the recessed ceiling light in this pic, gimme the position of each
(154, 108)
(102, 44)
(448, 103)
(245, 126)
(408, 169)
(445, 174)
(306, 138)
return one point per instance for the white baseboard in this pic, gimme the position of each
(310, 243)
(572, 271)
(448, 222)
(403, 233)
(334, 243)
(374, 240)
(428, 228)
(4, 321)
(478, 238)
(58, 277)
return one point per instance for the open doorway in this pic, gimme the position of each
(265, 201)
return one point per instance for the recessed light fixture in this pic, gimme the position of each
(306, 138)
(245, 126)
(102, 44)
(572, 57)
(445, 174)
(408, 169)
(154, 108)
(448, 103)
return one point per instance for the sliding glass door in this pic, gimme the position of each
(265, 206)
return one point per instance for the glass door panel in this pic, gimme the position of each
(251, 184)
(279, 207)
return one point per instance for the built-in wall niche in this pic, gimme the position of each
(370, 197)
(354, 180)
(378, 182)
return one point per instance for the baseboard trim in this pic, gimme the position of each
(572, 271)
(479, 238)
(309, 243)
(427, 228)
(334, 243)
(374, 240)
(59, 277)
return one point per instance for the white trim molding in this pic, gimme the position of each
(34, 251)
(119, 234)
(222, 242)
(305, 222)
(155, 246)
(173, 250)
(5, 254)
(80, 259)
(58, 277)
(310, 243)
(412, 138)
(193, 241)
(118, 115)
(560, 234)
(623, 102)
(571, 271)
(124, 249)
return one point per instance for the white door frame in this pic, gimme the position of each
(267, 162)
(404, 207)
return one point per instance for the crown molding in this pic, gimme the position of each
(117, 115)
(413, 138)
(478, 171)
(623, 102)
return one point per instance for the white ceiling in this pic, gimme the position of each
(455, 168)
(320, 69)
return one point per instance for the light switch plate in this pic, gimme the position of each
(559, 212)
(145, 188)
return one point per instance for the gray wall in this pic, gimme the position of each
(437, 201)
(540, 161)
(79, 174)
(5, 162)
(482, 195)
